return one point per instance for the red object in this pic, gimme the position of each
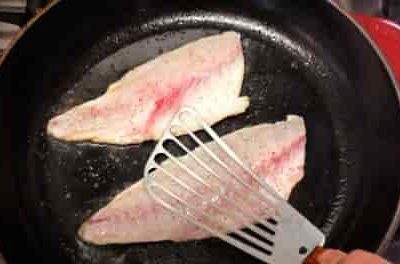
(386, 34)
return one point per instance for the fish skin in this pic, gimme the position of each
(275, 152)
(206, 74)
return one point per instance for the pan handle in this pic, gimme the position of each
(386, 34)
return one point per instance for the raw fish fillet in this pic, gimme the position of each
(206, 74)
(276, 152)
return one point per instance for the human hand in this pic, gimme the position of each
(331, 256)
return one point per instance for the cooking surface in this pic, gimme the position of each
(88, 174)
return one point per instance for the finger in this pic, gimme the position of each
(331, 256)
(361, 257)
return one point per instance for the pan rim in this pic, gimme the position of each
(395, 222)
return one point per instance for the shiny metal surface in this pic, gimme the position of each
(367, 7)
(288, 238)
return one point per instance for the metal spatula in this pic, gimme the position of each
(279, 234)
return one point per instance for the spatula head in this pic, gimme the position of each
(212, 188)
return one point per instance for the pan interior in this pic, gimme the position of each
(70, 181)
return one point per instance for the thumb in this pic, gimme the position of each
(330, 256)
(360, 256)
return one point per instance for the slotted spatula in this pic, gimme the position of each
(217, 182)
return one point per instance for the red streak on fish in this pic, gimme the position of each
(277, 160)
(276, 153)
(97, 220)
(137, 108)
(168, 102)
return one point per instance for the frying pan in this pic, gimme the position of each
(305, 59)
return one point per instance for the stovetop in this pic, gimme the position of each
(17, 12)
(389, 9)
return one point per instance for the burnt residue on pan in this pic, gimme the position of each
(70, 181)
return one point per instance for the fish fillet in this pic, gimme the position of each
(206, 74)
(276, 152)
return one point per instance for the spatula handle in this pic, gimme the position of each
(313, 257)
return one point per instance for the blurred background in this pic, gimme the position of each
(15, 13)
(384, 8)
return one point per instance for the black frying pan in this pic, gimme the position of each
(309, 60)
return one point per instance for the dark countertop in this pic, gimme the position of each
(2, 261)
